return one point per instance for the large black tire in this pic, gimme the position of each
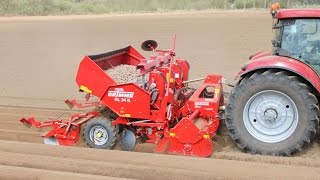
(99, 133)
(239, 120)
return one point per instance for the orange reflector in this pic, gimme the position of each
(206, 136)
(274, 8)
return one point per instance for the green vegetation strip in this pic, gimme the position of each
(67, 7)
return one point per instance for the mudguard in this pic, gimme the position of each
(285, 63)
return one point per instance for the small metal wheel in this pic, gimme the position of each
(127, 140)
(100, 133)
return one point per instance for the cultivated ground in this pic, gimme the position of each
(39, 60)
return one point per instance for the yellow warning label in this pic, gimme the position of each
(85, 89)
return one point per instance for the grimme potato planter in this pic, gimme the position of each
(161, 109)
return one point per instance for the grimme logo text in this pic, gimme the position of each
(122, 94)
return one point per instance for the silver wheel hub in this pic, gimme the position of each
(98, 135)
(270, 116)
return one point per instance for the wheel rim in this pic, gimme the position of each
(270, 116)
(98, 135)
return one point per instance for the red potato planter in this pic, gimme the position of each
(162, 109)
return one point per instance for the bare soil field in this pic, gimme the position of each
(39, 60)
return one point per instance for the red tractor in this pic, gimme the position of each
(274, 107)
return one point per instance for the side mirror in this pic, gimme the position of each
(149, 45)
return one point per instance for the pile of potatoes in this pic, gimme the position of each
(125, 73)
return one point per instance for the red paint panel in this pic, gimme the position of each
(128, 100)
(298, 13)
(92, 76)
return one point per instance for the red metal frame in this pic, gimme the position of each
(65, 132)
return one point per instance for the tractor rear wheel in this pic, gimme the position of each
(272, 112)
(100, 133)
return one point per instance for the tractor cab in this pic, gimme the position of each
(297, 35)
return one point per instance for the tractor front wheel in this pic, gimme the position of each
(99, 133)
(272, 112)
